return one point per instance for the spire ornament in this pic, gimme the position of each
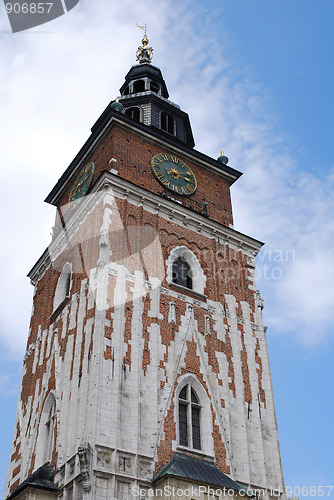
(223, 159)
(144, 53)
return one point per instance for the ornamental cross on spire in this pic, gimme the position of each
(144, 53)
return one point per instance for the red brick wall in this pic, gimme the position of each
(133, 155)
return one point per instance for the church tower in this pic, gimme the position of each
(146, 366)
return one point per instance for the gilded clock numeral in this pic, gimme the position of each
(175, 160)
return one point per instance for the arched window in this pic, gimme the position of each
(133, 113)
(154, 87)
(46, 431)
(138, 86)
(167, 122)
(189, 418)
(182, 273)
(184, 269)
(63, 286)
(49, 431)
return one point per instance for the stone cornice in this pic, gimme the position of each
(109, 183)
(179, 214)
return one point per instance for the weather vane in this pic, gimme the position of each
(144, 53)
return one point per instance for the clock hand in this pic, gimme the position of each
(179, 174)
(85, 178)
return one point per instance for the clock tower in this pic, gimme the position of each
(146, 370)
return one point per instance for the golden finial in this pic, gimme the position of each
(144, 53)
(223, 159)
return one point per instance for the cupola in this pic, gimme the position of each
(144, 97)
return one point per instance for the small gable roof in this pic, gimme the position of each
(199, 470)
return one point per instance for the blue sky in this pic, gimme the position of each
(256, 77)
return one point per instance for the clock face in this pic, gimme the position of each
(82, 183)
(173, 174)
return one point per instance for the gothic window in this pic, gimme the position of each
(167, 122)
(182, 273)
(133, 113)
(154, 87)
(49, 430)
(46, 432)
(189, 418)
(184, 268)
(138, 86)
(63, 286)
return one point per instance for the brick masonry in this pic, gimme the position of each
(133, 155)
(116, 351)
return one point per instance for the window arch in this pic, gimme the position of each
(189, 418)
(182, 273)
(46, 431)
(193, 416)
(167, 122)
(177, 268)
(138, 86)
(63, 286)
(133, 113)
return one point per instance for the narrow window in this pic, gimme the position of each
(63, 286)
(189, 418)
(154, 87)
(49, 431)
(133, 113)
(183, 426)
(182, 273)
(67, 284)
(167, 122)
(139, 86)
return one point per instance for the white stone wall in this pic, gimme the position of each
(115, 411)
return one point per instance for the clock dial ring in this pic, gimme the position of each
(173, 174)
(82, 183)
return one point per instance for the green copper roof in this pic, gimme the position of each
(41, 479)
(196, 469)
